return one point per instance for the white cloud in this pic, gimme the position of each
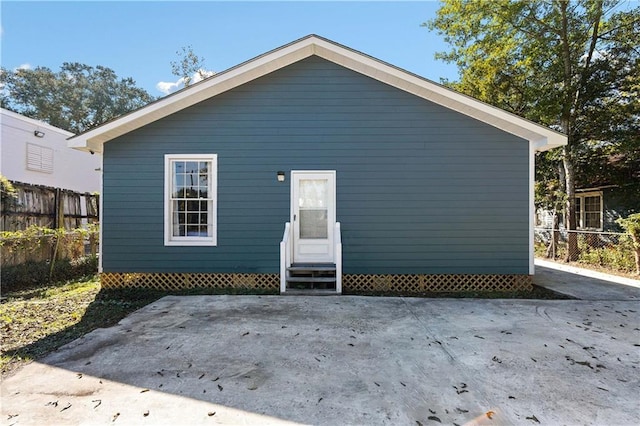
(201, 75)
(168, 87)
(26, 66)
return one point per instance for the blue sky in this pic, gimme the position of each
(140, 39)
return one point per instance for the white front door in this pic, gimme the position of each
(313, 215)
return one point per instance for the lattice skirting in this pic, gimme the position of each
(181, 281)
(351, 283)
(436, 283)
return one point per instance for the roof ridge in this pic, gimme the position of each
(309, 45)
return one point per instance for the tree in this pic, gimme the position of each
(189, 66)
(77, 98)
(571, 65)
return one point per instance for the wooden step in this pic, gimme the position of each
(311, 278)
(309, 292)
(324, 267)
(306, 279)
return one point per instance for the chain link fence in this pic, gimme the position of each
(612, 251)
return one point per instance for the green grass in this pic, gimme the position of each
(38, 321)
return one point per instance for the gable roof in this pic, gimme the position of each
(542, 137)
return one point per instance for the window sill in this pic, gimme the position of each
(194, 243)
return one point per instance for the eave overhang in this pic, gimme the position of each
(541, 138)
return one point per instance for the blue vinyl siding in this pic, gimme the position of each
(420, 188)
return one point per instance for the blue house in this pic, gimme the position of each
(315, 166)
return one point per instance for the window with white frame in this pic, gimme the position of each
(190, 199)
(589, 210)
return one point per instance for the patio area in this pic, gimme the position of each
(342, 360)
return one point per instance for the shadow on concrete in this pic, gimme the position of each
(583, 287)
(107, 308)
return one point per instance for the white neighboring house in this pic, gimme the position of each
(34, 152)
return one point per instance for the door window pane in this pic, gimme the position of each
(313, 204)
(313, 224)
(312, 193)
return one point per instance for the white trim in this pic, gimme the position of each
(40, 125)
(532, 206)
(331, 219)
(599, 188)
(169, 240)
(542, 137)
(101, 215)
(285, 256)
(581, 219)
(337, 240)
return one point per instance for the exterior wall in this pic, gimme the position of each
(72, 169)
(420, 189)
(620, 202)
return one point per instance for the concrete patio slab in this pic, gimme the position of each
(342, 360)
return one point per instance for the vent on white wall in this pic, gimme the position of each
(39, 158)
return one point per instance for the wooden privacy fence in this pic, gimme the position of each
(47, 207)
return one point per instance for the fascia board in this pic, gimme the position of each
(34, 123)
(545, 138)
(204, 90)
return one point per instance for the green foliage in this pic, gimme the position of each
(8, 193)
(631, 225)
(609, 252)
(35, 237)
(76, 98)
(188, 65)
(20, 238)
(549, 195)
(548, 61)
(570, 65)
(39, 255)
(7, 187)
(33, 274)
(617, 257)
